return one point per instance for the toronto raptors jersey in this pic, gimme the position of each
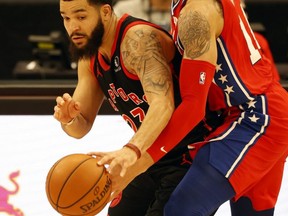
(242, 72)
(122, 89)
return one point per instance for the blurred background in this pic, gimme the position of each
(35, 68)
(35, 65)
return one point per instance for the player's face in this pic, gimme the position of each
(83, 25)
(92, 43)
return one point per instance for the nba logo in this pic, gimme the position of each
(202, 78)
(116, 62)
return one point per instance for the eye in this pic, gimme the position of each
(81, 17)
(65, 18)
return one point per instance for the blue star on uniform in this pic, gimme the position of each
(254, 118)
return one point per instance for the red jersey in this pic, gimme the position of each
(250, 147)
(241, 69)
(242, 74)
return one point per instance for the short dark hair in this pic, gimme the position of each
(99, 2)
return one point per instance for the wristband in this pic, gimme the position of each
(134, 148)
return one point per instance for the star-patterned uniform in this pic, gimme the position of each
(251, 146)
(256, 105)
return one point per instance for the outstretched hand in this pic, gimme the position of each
(118, 161)
(123, 167)
(66, 108)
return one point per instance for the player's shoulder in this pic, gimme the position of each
(206, 11)
(142, 27)
(143, 31)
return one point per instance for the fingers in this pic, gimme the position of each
(118, 167)
(123, 171)
(66, 108)
(66, 97)
(109, 158)
(57, 113)
(97, 154)
(105, 160)
(62, 100)
(103, 157)
(118, 161)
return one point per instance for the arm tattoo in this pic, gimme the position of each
(194, 33)
(142, 52)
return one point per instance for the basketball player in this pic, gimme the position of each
(128, 61)
(243, 159)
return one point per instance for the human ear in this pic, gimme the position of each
(106, 12)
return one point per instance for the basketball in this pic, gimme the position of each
(77, 186)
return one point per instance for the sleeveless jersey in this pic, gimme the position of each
(254, 103)
(242, 72)
(125, 93)
(122, 89)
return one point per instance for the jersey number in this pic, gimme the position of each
(137, 112)
(254, 52)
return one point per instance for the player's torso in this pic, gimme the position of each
(123, 89)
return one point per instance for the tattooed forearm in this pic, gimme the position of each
(142, 53)
(194, 33)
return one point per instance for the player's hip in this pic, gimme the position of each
(246, 147)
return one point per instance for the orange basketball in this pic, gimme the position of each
(76, 185)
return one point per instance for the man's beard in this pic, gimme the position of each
(92, 46)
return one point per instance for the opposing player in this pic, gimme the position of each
(128, 61)
(243, 159)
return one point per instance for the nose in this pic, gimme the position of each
(73, 26)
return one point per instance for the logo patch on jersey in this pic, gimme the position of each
(116, 61)
(202, 78)
(117, 64)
